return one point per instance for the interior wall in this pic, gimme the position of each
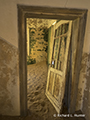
(9, 79)
(37, 39)
(83, 98)
(9, 32)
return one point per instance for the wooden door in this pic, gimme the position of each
(57, 69)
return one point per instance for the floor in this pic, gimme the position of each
(38, 104)
(39, 107)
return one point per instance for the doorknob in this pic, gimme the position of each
(52, 62)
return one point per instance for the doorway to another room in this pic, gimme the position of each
(38, 57)
(54, 62)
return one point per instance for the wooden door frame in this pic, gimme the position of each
(46, 13)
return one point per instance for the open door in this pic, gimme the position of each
(57, 69)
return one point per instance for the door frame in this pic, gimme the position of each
(46, 13)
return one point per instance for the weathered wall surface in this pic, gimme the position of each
(9, 32)
(9, 79)
(83, 98)
(37, 39)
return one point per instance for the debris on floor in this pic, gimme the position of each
(38, 103)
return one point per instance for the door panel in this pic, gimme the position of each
(50, 82)
(56, 86)
(57, 69)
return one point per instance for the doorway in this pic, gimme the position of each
(50, 13)
(38, 37)
(46, 37)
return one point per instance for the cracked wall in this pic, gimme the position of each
(9, 77)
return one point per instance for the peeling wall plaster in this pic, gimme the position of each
(83, 97)
(9, 31)
(9, 79)
(85, 69)
(37, 39)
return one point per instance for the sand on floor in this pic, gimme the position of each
(38, 103)
(39, 107)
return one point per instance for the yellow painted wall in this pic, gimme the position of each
(37, 39)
